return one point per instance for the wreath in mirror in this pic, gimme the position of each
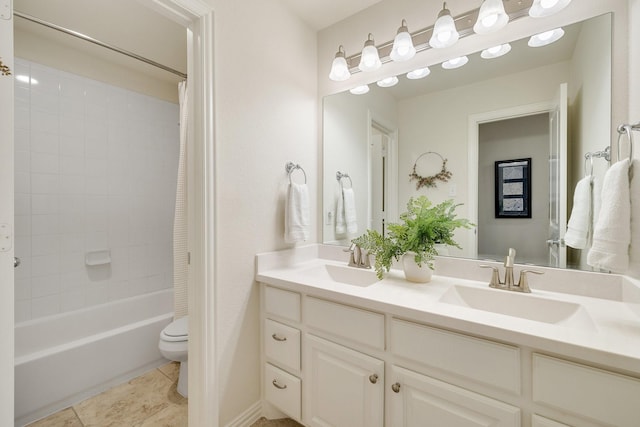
(4, 69)
(430, 181)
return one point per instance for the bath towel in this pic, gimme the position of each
(634, 195)
(296, 214)
(611, 236)
(580, 220)
(346, 219)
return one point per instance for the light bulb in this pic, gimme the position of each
(455, 63)
(403, 48)
(491, 17)
(541, 8)
(359, 90)
(418, 73)
(369, 59)
(546, 38)
(444, 30)
(496, 51)
(388, 82)
(339, 68)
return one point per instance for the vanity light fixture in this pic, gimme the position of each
(370, 60)
(339, 68)
(546, 38)
(359, 90)
(455, 63)
(491, 17)
(418, 73)
(445, 33)
(388, 82)
(403, 48)
(541, 8)
(496, 51)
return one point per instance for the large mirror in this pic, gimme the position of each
(522, 105)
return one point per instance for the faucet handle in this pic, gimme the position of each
(523, 283)
(495, 276)
(365, 262)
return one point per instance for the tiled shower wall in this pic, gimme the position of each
(95, 170)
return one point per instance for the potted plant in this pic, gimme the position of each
(414, 238)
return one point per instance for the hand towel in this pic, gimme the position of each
(634, 195)
(611, 236)
(296, 213)
(346, 218)
(580, 220)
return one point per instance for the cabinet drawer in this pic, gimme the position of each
(483, 361)
(282, 344)
(356, 325)
(281, 303)
(282, 390)
(587, 392)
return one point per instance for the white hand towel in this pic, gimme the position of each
(611, 236)
(634, 194)
(296, 214)
(346, 219)
(580, 220)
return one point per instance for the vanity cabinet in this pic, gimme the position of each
(345, 388)
(416, 398)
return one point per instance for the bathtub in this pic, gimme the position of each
(61, 360)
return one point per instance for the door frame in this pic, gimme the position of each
(391, 130)
(473, 149)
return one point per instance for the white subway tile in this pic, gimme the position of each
(44, 224)
(42, 183)
(45, 285)
(72, 165)
(22, 138)
(97, 293)
(45, 244)
(72, 184)
(44, 163)
(45, 306)
(71, 242)
(73, 280)
(45, 265)
(72, 300)
(22, 160)
(72, 262)
(22, 288)
(72, 223)
(22, 183)
(22, 311)
(44, 204)
(44, 122)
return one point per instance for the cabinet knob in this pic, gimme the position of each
(373, 378)
(277, 338)
(276, 385)
(395, 387)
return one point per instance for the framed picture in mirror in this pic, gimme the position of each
(513, 188)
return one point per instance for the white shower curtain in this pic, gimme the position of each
(180, 257)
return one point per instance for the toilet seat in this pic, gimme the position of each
(178, 330)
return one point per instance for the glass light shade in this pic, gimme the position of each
(541, 8)
(403, 48)
(369, 59)
(546, 38)
(359, 90)
(419, 73)
(339, 68)
(388, 82)
(444, 30)
(455, 63)
(496, 51)
(491, 17)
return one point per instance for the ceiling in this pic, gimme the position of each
(320, 14)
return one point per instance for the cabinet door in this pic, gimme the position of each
(343, 387)
(420, 401)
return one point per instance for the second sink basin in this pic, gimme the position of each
(524, 306)
(345, 274)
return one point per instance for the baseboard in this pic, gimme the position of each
(248, 417)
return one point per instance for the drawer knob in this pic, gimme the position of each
(277, 338)
(395, 387)
(373, 378)
(276, 385)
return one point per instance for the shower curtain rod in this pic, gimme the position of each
(97, 42)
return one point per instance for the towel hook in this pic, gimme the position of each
(340, 175)
(290, 167)
(626, 129)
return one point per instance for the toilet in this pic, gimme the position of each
(173, 345)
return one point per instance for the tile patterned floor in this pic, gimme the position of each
(150, 400)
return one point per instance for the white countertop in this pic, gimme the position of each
(610, 338)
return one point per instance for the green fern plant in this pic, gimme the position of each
(421, 227)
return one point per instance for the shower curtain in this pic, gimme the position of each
(180, 257)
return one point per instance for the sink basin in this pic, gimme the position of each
(524, 306)
(345, 274)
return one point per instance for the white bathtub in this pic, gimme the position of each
(61, 360)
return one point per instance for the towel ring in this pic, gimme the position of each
(340, 175)
(290, 167)
(625, 129)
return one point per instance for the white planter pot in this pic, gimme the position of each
(412, 272)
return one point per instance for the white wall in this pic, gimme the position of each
(95, 169)
(266, 115)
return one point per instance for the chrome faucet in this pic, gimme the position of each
(358, 257)
(509, 284)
